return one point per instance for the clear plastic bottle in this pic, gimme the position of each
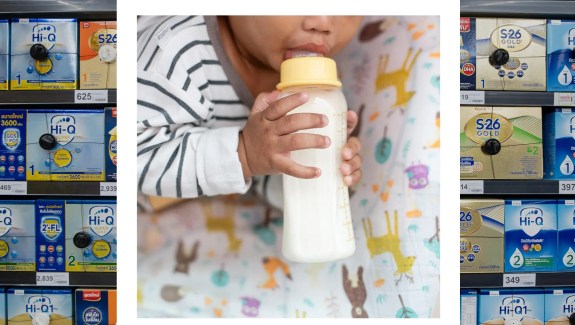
(317, 218)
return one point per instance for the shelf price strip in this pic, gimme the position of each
(52, 278)
(471, 187)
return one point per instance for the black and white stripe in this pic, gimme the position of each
(189, 115)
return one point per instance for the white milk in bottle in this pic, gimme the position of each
(317, 218)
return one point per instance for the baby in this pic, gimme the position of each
(208, 119)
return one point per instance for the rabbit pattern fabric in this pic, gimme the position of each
(221, 257)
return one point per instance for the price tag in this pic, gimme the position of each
(13, 188)
(564, 99)
(566, 187)
(90, 96)
(519, 280)
(471, 187)
(467, 97)
(108, 188)
(52, 278)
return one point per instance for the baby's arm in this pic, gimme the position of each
(176, 156)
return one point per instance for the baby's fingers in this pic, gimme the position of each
(349, 166)
(351, 148)
(352, 179)
(289, 167)
(352, 120)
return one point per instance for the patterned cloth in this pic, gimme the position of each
(221, 257)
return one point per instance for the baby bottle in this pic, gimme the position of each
(317, 219)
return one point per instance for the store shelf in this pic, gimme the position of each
(517, 98)
(59, 188)
(21, 97)
(517, 187)
(495, 280)
(77, 279)
(564, 9)
(92, 9)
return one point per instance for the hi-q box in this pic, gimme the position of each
(43, 54)
(65, 145)
(17, 235)
(34, 306)
(91, 236)
(560, 55)
(501, 142)
(13, 145)
(559, 148)
(467, 53)
(4, 53)
(559, 305)
(50, 235)
(511, 54)
(566, 235)
(98, 41)
(511, 306)
(530, 235)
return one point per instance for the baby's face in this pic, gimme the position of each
(269, 40)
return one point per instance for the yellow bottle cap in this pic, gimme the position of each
(309, 70)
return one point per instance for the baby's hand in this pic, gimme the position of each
(268, 137)
(351, 165)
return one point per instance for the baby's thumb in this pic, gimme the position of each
(264, 100)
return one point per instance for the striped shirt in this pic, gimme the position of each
(191, 107)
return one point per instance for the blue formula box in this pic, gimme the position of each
(17, 235)
(560, 58)
(50, 235)
(2, 306)
(111, 141)
(468, 307)
(566, 235)
(467, 53)
(91, 236)
(4, 53)
(13, 148)
(511, 306)
(559, 305)
(44, 54)
(65, 145)
(39, 306)
(530, 235)
(559, 143)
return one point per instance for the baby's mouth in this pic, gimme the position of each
(300, 53)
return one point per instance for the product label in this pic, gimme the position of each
(530, 236)
(50, 235)
(13, 147)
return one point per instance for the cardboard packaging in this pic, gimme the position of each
(111, 142)
(17, 235)
(13, 148)
(511, 306)
(530, 235)
(65, 145)
(566, 235)
(91, 236)
(560, 57)
(43, 54)
(481, 236)
(98, 42)
(28, 306)
(96, 307)
(559, 305)
(501, 143)
(511, 54)
(559, 148)
(4, 53)
(467, 54)
(50, 235)
(468, 307)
